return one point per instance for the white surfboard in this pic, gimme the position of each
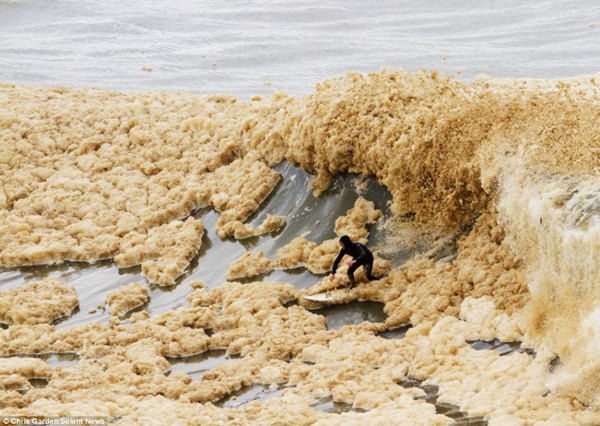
(319, 297)
(330, 297)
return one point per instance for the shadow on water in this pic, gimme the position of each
(396, 333)
(431, 390)
(263, 393)
(449, 410)
(196, 366)
(328, 405)
(432, 395)
(503, 348)
(250, 393)
(300, 278)
(52, 359)
(353, 313)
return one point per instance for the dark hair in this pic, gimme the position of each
(346, 241)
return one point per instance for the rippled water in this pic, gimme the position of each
(257, 47)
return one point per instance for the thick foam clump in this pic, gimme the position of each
(110, 179)
(37, 303)
(127, 298)
(504, 170)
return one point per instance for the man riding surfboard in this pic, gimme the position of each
(361, 256)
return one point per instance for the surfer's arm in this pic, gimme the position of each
(336, 262)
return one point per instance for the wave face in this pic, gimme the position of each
(448, 151)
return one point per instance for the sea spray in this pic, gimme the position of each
(553, 223)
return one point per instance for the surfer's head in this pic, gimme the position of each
(345, 241)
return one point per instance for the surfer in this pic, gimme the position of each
(361, 256)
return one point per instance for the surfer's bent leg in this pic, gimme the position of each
(368, 269)
(368, 263)
(351, 270)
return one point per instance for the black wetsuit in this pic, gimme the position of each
(360, 254)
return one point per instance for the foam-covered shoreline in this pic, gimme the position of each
(90, 174)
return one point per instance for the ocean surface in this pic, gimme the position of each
(250, 48)
(259, 47)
